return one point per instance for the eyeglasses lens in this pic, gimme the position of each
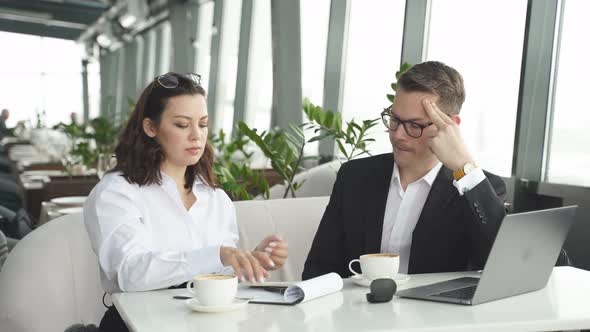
(168, 81)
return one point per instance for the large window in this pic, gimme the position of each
(41, 79)
(483, 40)
(569, 155)
(372, 58)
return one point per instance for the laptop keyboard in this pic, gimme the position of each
(461, 293)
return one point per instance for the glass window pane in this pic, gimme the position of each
(149, 57)
(23, 104)
(93, 89)
(259, 88)
(315, 15)
(60, 100)
(164, 48)
(371, 62)
(203, 44)
(228, 66)
(488, 55)
(40, 76)
(23, 49)
(61, 56)
(570, 137)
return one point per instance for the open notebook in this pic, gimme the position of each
(291, 293)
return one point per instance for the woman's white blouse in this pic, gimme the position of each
(146, 239)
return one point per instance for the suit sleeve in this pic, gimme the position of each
(484, 214)
(327, 250)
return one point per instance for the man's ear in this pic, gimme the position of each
(149, 128)
(456, 119)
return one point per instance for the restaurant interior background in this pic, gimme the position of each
(263, 61)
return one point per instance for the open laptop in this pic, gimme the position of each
(521, 260)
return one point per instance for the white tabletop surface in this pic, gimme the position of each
(563, 305)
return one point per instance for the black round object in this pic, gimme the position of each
(382, 290)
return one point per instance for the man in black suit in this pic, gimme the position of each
(429, 201)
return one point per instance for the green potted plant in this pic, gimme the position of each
(285, 151)
(233, 167)
(352, 141)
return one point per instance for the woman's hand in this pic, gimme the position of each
(272, 252)
(244, 263)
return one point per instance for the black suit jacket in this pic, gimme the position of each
(453, 232)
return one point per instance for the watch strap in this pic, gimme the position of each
(460, 173)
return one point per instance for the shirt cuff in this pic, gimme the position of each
(205, 260)
(469, 181)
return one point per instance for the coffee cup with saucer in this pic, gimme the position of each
(376, 266)
(214, 293)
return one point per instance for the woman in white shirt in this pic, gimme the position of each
(159, 218)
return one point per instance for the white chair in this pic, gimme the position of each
(319, 181)
(51, 280)
(295, 219)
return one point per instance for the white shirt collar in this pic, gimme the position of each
(428, 177)
(168, 179)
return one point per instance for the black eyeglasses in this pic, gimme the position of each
(170, 80)
(392, 122)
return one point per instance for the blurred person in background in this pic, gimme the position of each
(3, 117)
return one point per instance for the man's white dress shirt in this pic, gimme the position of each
(403, 209)
(146, 239)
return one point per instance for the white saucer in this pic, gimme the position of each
(358, 279)
(69, 200)
(70, 210)
(235, 305)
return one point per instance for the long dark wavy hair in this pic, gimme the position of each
(139, 156)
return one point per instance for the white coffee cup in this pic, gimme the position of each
(377, 265)
(214, 289)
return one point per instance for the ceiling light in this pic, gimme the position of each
(104, 41)
(127, 20)
(134, 12)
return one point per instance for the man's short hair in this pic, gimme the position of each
(436, 78)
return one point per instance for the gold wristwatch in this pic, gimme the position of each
(466, 169)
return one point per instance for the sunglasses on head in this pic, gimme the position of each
(171, 80)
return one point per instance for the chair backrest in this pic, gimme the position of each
(295, 219)
(51, 280)
(317, 181)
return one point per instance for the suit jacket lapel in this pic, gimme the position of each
(440, 196)
(377, 199)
